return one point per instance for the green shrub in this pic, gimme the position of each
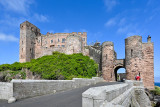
(5, 67)
(58, 66)
(156, 91)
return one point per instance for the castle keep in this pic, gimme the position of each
(33, 44)
(139, 57)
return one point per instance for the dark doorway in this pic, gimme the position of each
(120, 73)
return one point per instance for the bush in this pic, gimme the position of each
(156, 91)
(58, 66)
(5, 67)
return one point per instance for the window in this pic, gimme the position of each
(63, 46)
(58, 45)
(38, 41)
(63, 40)
(22, 49)
(83, 39)
(31, 50)
(58, 40)
(131, 52)
(22, 42)
(51, 41)
(45, 42)
(106, 56)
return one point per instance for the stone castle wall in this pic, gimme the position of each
(139, 60)
(33, 44)
(139, 57)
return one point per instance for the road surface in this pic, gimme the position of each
(71, 98)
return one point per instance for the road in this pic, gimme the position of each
(71, 98)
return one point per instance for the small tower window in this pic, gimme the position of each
(131, 52)
(106, 56)
(83, 39)
(51, 41)
(22, 42)
(22, 49)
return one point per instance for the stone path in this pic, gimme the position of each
(71, 98)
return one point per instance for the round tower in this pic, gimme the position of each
(133, 56)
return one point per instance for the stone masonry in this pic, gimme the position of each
(139, 57)
(33, 44)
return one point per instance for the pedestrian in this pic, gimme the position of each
(138, 78)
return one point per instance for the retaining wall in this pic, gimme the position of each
(30, 88)
(119, 95)
(6, 90)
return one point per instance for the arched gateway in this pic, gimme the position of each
(138, 60)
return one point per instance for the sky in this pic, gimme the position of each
(103, 20)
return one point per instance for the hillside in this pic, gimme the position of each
(52, 67)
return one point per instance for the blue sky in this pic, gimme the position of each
(103, 20)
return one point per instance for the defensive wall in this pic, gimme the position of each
(31, 88)
(129, 94)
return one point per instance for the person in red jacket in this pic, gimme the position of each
(138, 78)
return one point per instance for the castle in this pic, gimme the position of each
(139, 57)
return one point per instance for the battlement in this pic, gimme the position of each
(107, 43)
(29, 25)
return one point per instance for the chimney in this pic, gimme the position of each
(149, 39)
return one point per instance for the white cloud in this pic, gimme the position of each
(4, 37)
(110, 22)
(83, 30)
(123, 29)
(122, 21)
(40, 17)
(19, 6)
(12, 21)
(110, 4)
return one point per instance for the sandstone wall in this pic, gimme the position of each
(33, 44)
(28, 34)
(108, 60)
(133, 56)
(148, 65)
(74, 44)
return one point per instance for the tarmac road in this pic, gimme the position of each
(71, 98)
